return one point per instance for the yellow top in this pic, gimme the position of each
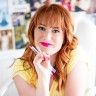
(30, 75)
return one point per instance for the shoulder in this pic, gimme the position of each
(25, 71)
(21, 64)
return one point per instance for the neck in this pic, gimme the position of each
(52, 58)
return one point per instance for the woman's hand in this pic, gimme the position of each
(42, 65)
(43, 69)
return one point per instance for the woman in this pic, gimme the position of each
(51, 34)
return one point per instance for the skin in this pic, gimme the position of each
(53, 35)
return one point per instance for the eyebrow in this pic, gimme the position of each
(55, 27)
(51, 27)
(42, 24)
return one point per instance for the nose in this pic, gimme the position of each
(48, 35)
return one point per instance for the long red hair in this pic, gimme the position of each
(51, 15)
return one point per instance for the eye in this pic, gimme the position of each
(42, 28)
(55, 31)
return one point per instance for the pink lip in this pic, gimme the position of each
(45, 44)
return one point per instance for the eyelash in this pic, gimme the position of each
(56, 31)
(41, 28)
(44, 29)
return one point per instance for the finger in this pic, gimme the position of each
(42, 70)
(46, 56)
(46, 60)
(38, 58)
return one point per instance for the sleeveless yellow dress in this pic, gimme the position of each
(30, 75)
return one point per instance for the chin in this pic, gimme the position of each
(47, 52)
(51, 53)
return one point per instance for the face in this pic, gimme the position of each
(48, 39)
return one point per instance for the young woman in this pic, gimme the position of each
(51, 64)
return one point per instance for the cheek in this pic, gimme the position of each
(37, 37)
(58, 43)
(60, 40)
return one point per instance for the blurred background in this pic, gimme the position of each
(15, 17)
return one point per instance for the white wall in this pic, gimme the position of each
(86, 33)
(6, 60)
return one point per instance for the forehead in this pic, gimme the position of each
(50, 19)
(49, 25)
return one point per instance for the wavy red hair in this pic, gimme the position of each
(54, 15)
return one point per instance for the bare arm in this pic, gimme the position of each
(23, 88)
(44, 74)
(76, 81)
